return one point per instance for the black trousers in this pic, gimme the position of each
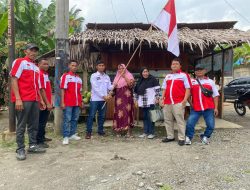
(43, 119)
(29, 117)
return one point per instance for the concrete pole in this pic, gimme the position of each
(62, 54)
(11, 58)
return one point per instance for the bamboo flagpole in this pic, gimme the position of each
(129, 61)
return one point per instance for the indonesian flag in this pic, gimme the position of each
(166, 21)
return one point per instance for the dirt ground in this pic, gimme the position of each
(112, 163)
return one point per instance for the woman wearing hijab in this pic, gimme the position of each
(147, 94)
(124, 104)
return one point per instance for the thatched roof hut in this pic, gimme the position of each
(197, 39)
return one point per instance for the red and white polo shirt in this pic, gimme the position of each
(45, 84)
(175, 85)
(199, 100)
(72, 84)
(27, 74)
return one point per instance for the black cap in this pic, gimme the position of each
(199, 67)
(99, 62)
(31, 46)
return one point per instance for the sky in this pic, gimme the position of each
(188, 11)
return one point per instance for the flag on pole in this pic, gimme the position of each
(166, 21)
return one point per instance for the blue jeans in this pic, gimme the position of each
(70, 118)
(149, 126)
(193, 119)
(94, 107)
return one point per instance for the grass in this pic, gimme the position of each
(229, 179)
(166, 187)
(246, 172)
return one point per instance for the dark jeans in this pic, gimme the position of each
(149, 126)
(70, 119)
(28, 116)
(94, 107)
(43, 119)
(193, 119)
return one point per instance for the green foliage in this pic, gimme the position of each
(3, 23)
(242, 52)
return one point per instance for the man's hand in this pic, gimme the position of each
(184, 103)
(157, 101)
(216, 112)
(19, 105)
(49, 107)
(62, 106)
(106, 98)
(42, 105)
(82, 106)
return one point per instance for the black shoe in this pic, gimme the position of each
(43, 145)
(20, 154)
(167, 140)
(36, 149)
(101, 134)
(181, 142)
(47, 139)
(88, 136)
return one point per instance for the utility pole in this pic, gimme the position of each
(61, 54)
(11, 58)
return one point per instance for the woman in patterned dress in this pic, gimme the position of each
(124, 105)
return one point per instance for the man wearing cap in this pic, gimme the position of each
(25, 94)
(100, 86)
(204, 95)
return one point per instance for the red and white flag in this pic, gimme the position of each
(166, 21)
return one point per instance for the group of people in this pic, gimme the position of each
(32, 95)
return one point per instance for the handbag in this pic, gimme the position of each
(205, 91)
(156, 114)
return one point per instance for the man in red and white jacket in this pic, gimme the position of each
(202, 105)
(176, 91)
(46, 96)
(25, 94)
(71, 102)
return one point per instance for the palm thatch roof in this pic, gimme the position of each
(201, 35)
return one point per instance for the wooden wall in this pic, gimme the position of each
(154, 60)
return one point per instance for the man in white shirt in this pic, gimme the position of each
(100, 87)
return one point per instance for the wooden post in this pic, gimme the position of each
(222, 85)
(62, 49)
(11, 57)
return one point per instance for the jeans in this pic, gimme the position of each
(43, 119)
(149, 126)
(28, 116)
(94, 107)
(193, 119)
(70, 118)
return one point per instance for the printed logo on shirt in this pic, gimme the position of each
(98, 78)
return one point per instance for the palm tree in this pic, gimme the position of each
(75, 22)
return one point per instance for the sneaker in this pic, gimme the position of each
(20, 154)
(36, 149)
(167, 140)
(188, 141)
(143, 135)
(88, 136)
(74, 137)
(181, 142)
(151, 136)
(65, 141)
(43, 145)
(205, 140)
